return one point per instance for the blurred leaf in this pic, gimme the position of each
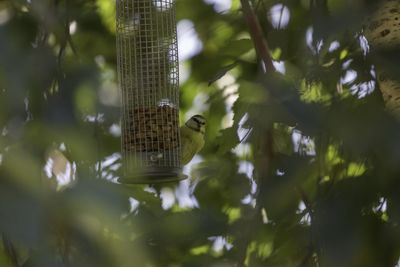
(238, 47)
(221, 73)
(227, 140)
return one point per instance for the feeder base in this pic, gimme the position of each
(152, 177)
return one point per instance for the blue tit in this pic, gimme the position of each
(192, 137)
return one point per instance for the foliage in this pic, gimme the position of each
(330, 193)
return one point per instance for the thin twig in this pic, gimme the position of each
(10, 251)
(309, 209)
(96, 134)
(306, 201)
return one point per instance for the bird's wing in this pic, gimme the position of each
(191, 142)
(188, 148)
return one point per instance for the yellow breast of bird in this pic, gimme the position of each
(191, 142)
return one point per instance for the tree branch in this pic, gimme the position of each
(265, 152)
(263, 53)
(260, 44)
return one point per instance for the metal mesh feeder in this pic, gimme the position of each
(147, 56)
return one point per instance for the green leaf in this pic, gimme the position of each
(237, 48)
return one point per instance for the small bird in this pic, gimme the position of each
(192, 137)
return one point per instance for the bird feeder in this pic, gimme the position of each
(147, 58)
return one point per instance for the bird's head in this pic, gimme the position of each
(197, 123)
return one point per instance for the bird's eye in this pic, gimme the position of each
(199, 119)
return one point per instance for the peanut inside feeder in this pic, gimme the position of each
(153, 129)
